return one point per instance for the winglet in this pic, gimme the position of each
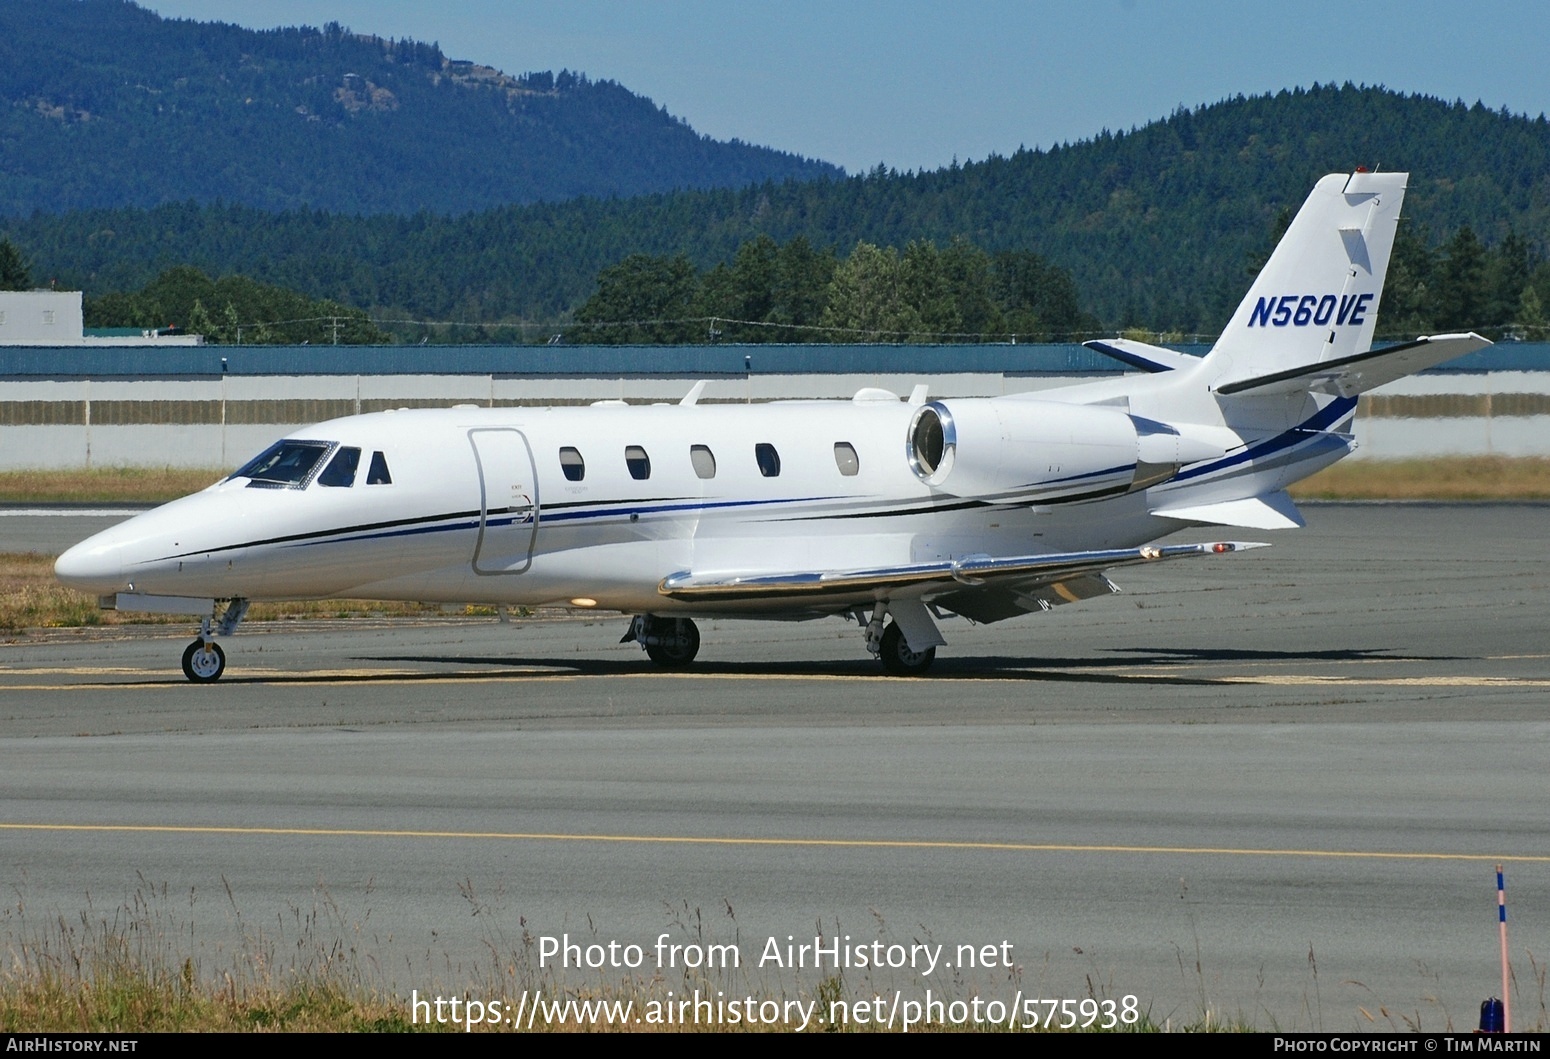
(693, 396)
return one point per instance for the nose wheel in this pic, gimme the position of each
(203, 663)
(203, 660)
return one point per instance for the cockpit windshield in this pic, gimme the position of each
(284, 465)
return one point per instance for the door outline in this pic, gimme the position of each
(507, 530)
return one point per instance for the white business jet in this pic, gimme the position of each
(892, 512)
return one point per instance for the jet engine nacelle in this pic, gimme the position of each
(1043, 450)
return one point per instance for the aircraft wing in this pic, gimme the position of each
(1360, 372)
(1025, 574)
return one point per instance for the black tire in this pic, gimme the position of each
(897, 656)
(202, 666)
(678, 641)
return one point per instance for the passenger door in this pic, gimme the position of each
(508, 501)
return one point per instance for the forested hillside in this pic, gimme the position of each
(1160, 227)
(103, 104)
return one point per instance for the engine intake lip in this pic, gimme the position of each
(932, 443)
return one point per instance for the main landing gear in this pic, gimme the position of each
(203, 660)
(897, 657)
(893, 645)
(669, 642)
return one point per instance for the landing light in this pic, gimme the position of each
(583, 602)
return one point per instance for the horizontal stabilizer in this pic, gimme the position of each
(923, 580)
(1140, 355)
(1360, 372)
(1271, 511)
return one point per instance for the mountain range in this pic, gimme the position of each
(1159, 226)
(104, 103)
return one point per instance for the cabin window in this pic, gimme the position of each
(846, 460)
(638, 462)
(571, 463)
(768, 458)
(340, 472)
(378, 475)
(704, 460)
(284, 465)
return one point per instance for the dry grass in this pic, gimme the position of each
(130, 970)
(124, 485)
(1453, 478)
(30, 598)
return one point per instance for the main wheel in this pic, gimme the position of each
(677, 641)
(203, 663)
(898, 657)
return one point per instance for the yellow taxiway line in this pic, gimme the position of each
(831, 843)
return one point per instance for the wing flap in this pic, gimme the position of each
(1360, 372)
(987, 605)
(923, 579)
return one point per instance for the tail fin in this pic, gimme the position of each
(1317, 297)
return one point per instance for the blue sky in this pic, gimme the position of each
(915, 84)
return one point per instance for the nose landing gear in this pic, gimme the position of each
(203, 660)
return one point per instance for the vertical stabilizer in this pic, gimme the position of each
(1317, 297)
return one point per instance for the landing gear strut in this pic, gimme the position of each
(669, 642)
(203, 660)
(891, 644)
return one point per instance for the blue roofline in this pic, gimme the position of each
(620, 361)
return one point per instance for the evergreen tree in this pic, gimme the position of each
(802, 278)
(924, 292)
(1530, 320)
(642, 299)
(866, 298)
(253, 312)
(1462, 297)
(199, 322)
(14, 274)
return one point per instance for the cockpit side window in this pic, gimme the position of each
(286, 464)
(340, 472)
(378, 474)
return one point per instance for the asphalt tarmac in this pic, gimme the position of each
(1271, 786)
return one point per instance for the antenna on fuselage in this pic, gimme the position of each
(693, 396)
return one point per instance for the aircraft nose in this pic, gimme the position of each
(95, 566)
